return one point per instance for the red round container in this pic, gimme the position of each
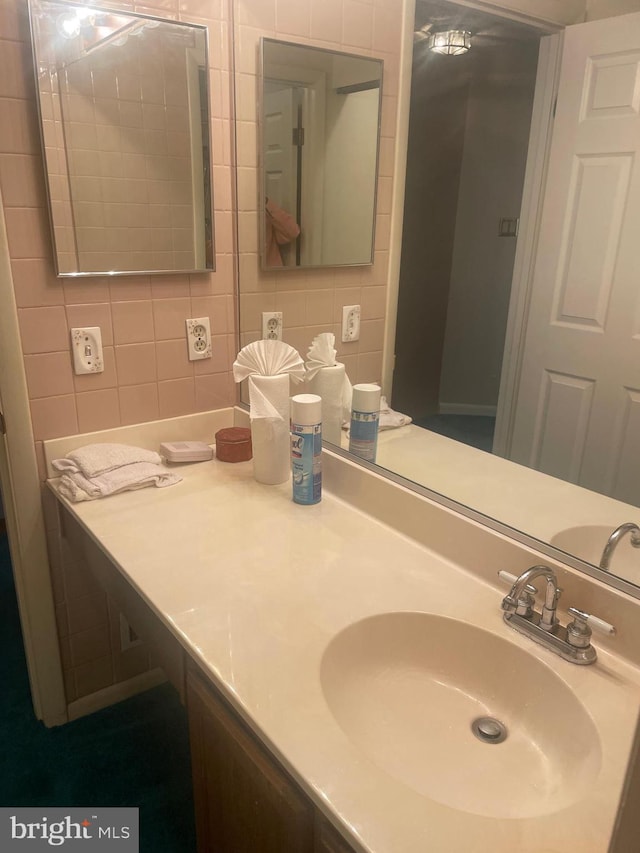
(233, 444)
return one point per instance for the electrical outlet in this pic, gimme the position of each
(272, 325)
(128, 637)
(86, 345)
(198, 338)
(350, 323)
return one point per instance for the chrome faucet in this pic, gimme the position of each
(548, 618)
(572, 643)
(616, 536)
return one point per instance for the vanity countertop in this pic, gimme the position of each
(255, 587)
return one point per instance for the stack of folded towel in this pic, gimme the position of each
(98, 470)
(390, 419)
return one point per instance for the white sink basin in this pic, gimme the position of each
(406, 687)
(588, 541)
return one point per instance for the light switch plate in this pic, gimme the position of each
(86, 346)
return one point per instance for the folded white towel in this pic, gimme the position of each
(75, 486)
(94, 459)
(390, 419)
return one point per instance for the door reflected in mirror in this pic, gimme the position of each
(320, 129)
(124, 114)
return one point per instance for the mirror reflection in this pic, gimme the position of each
(125, 127)
(319, 121)
(556, 390)
(462, 332)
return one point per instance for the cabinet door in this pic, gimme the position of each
(245, 803)
(329, 840)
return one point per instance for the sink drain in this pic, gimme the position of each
(489, 730)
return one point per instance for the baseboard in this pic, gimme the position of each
(466, 409)
(115, 693)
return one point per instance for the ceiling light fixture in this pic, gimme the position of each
(69, 24)
(450, 42)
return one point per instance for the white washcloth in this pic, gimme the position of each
(94, 459)
(75, 486)
(390, 419)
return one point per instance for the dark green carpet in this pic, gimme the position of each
(135, 753)
(475, 430)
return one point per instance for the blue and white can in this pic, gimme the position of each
(306, 448)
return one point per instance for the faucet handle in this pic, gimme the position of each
(524, 605)
(510, 579)
(579, 631)
(585, 620)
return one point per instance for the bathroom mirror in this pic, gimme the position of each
(552, 514)
(319, 131)
(124, 116)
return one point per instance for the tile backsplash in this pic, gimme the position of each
(147, 374)
(311, 300)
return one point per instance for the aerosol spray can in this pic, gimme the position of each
(365, 414)
(306, 448)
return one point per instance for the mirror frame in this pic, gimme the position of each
(261, 167)
(207, 162)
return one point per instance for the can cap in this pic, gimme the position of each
(306, 409)
(366, 398)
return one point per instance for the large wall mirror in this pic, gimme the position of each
(320, 128)
(545, 447)
(124, 108)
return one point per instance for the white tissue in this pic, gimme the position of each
(270, 432)
(322, 353)
(328, 384)
(268, 358)
(269, 366)
(328, 379)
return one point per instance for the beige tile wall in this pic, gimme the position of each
(312, 300)
(147, 374)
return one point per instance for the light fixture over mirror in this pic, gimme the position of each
(320, 127)
(450, 42)
(124, 113)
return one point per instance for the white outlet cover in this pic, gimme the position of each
(350, 323)
(198, 338)
(86, 346)
(272, 325)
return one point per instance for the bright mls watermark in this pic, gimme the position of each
(31, 829)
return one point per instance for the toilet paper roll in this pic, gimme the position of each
(269, 413)
(328, 383)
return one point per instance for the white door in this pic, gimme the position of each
(578, 405)
(280, 165)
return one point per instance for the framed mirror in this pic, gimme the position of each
(124, 116)
(319, 142)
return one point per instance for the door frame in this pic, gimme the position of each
(21, 493)
(547, 80)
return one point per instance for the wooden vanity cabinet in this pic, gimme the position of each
(327, 840)
(244, 801)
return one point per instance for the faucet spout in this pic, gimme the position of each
(548, 618)
(616, 536)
